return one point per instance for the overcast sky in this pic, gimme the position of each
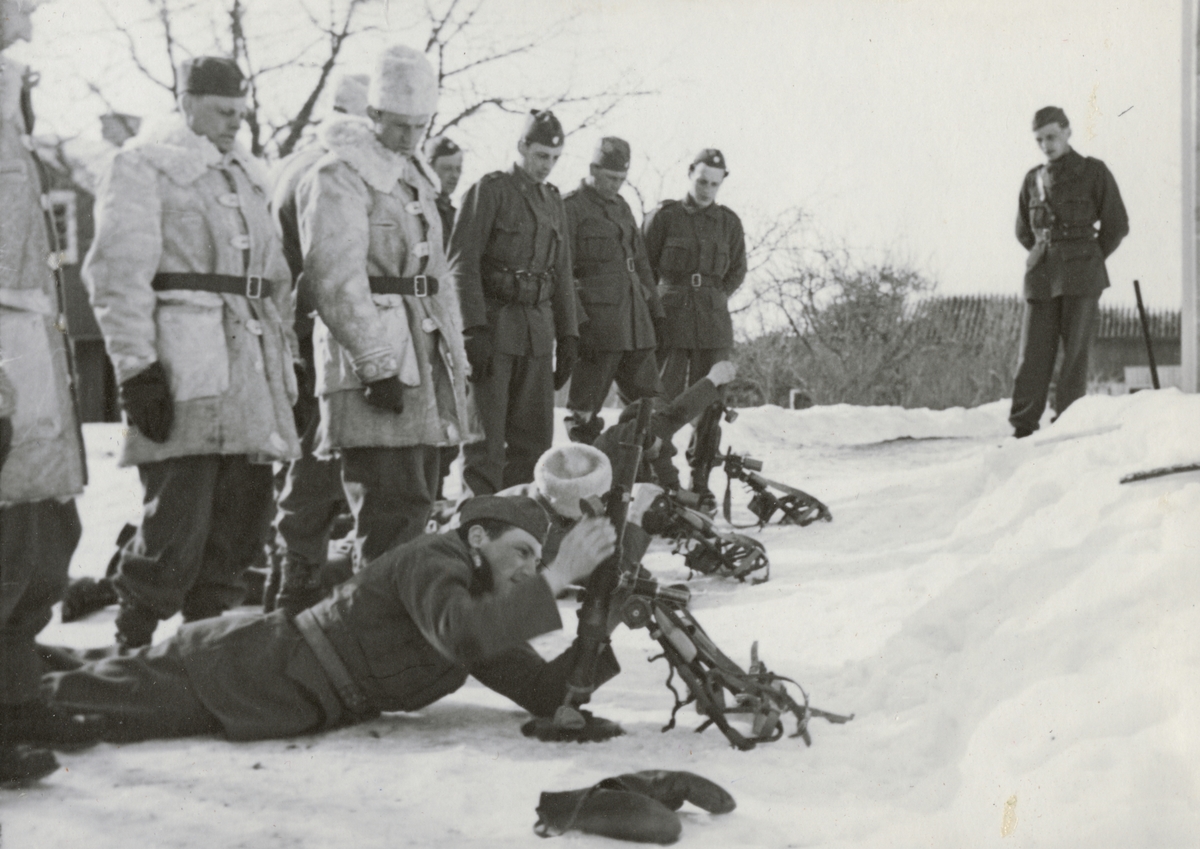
(900, 127)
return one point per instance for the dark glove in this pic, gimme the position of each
(478, 343)
(147, 400)
(565, 356)
(6, 435)
(675, 788)
(607, 809)
(386, 394)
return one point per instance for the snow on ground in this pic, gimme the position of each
(1016, 633)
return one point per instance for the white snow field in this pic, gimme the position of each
(1015, 631)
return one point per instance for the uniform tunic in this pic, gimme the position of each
(409, 629)
(1071, 218)
(617, 290)
(44, 467)
(509, 223)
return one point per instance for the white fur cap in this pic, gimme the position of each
(350, 95)
(571, 472)
(404, 82)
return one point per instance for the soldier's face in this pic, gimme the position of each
(607, 183)
(15, 23)
(706, 182)
(538, 160)
(1054, 140)
(449, 170)
(399, 133)
(216, 118)
(513, 556)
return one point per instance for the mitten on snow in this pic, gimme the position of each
(610, 810)
(675, 788)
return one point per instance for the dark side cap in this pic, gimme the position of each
(1049, 115)
(541, 127)
(712, 157)
(517, 510)
(212, 75)
(612, 154)
(441, 146)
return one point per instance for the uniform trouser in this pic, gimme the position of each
(516, 406)
(202, 524)
(679, 369)
(311, 499)
(144, 695)
(636, 374)
(1074, 320)
(391, 492)
(36, 544)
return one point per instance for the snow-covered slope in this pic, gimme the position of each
(1016, 632)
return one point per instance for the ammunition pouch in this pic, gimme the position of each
(527, 288)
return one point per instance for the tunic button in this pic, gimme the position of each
(241, 241)
(413, 208)
(428, 325)
(255, 326)
(230, 199)
(369, 371)
(421, 249)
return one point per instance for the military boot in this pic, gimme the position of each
(23, 765)
(135, 626)
(708, 501)
(583, 427)
(299, 585)
(610, 810)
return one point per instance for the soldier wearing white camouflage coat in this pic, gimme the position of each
(388, 346)
(193, 296)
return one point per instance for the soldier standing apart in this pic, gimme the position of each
(192, 293)
(1060, 206)
(518, 297)
(446, 159)
(617, 289)
(698, 254)
(391, 369)
(41, 453)
(312, 497)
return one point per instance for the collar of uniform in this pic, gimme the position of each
(689, 203)
(353, 141)
(524, 179)
(594, 195)
(1068, 163)
(182, 156)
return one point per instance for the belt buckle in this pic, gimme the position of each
(697, 281)
(421, 286)
(254, 286)
(629, 264)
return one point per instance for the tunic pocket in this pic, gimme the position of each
(677, 256)
(192, 348)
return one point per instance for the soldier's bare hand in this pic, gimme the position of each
(585, 547)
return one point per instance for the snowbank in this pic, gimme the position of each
(1015, 631)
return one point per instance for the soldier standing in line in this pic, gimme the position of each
(617, 289)
(446, 159)
(312, 497)
(1070, 218)
(41, 451)
(391, 369)
(191, 291)
(698, 254)
(519, 307)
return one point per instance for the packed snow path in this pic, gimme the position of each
(1016, 633)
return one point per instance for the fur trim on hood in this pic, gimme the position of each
(353, 141)
(183, 156)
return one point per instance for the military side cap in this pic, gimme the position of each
(712, 157)
(1049, 115)
(541, 127)
(518, 511)
(612, 154)
(440, 146)
(213, 75)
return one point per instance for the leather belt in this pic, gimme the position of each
(616, 266)
(251, 286)
(528, 288)
(421, 286)
(343, 682)
(696, 281)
